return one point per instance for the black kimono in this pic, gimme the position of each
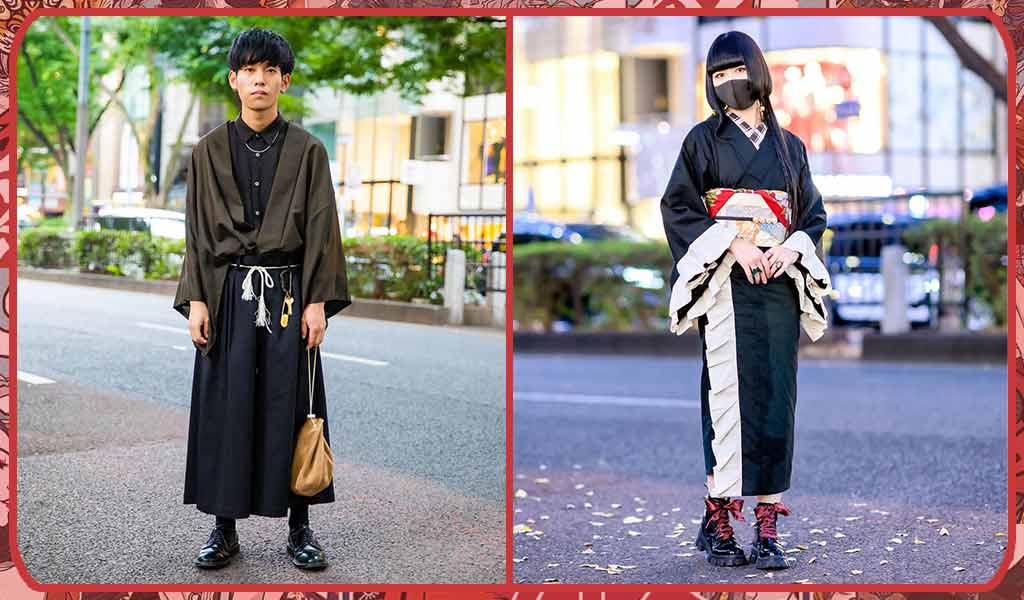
(250, 383)
(748, 332)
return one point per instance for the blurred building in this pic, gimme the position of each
(393, 162)
(883, 104)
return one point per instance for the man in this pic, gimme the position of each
(262, 241)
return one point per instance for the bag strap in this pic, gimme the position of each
(311, 369)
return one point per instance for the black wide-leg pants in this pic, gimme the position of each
(249, 399)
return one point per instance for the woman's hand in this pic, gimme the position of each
(750, 257)
(314, 324)
(779, 258)
(198, 321)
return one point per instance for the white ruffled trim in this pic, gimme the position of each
(813, 316)
(724, 395)
(694, 268)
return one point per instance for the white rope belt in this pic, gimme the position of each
(248, 293)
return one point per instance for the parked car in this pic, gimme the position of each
(529, 228)
(854, 262)
(160, 223)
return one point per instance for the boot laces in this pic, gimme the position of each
(718, 513)
(767, 518)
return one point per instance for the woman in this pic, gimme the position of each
(742, 218)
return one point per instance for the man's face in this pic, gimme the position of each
(258, 85)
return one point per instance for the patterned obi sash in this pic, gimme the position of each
(761, 216)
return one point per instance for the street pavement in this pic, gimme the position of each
(899, 475)
(417, 418)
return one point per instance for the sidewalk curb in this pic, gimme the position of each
(384, 310)
(924, 346)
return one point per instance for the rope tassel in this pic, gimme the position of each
(248, 293)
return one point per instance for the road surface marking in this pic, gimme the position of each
(594, 400)
(348, 357)
(33, 379)
(355, 359)
(163, 327)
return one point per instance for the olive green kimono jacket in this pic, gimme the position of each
(301, 215)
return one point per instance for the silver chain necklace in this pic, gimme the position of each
(258, 152)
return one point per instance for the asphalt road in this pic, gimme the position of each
(900, 473)
(417, 424)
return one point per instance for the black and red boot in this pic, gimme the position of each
(765, 553)
(716, 538)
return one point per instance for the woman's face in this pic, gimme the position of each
(720, 77)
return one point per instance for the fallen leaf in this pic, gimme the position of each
(597, 523)
(852, 550)
(931, 520)
(639, 510)
(856, 572)
(544, 517)
(616, 506)
(769, 575)
(879, 512)
(889, 548)
(676, 509)
(648, 518)
(554, 564)
(884, 562)
(958, 569)
(979, 543)
(639, 500)
(522, 528)
(552, 580)
(542, 480)
(896, 540)
(684, 555)
(802, 581)
(1000, 534)
(839, 535)
(813, 531)
(859, 504)
(631, 519)
(589, 566)
(578, 486)
(588, 505)
(632, 533)
(649, 547)
(570, 506)
(819, 542)
(918, 542)
(852, 518)
(589, 493)
(519, 560)
(521, 493)
(606, 515)
(750, 575)
(813, 558)
(943, 531)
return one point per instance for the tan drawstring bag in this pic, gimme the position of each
(312, 460)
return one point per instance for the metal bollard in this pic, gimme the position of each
(455, 285)
(894, 286)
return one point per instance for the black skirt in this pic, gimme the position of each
(766, 321)
(249, 399)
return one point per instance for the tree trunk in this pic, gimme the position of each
(970, 58)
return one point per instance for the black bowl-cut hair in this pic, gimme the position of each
(735, 48)
(255, 46)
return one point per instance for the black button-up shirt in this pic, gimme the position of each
(255, 175)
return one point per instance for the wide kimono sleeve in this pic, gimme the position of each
(697, 242)
(190, 283)
(808, 272)
(323, 272)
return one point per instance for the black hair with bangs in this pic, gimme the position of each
(255, 46)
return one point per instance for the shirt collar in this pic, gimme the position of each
(754, 134)
(246, 133)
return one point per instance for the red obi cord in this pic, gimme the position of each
(723, 196)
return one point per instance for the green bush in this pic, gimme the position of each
(395, 268)
(986, 248)
(390, 268)
(46, 248)
(592, 285)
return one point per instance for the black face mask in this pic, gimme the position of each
(736, 93)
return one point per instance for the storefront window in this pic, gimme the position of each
(486, 152)
(906, 94)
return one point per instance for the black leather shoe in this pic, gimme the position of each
(716, 538)
(305, 550)
(765, 552)
(217, 553)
